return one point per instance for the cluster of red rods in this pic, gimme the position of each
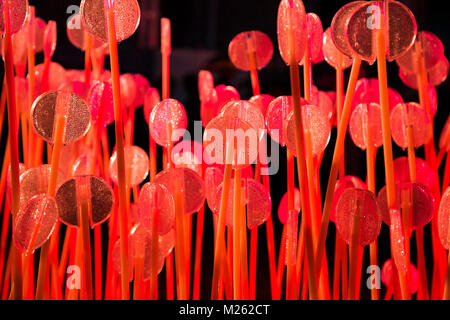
(69, 182)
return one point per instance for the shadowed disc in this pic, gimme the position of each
(99, 195)
(126, 12)
(18, 10)
(43, 116)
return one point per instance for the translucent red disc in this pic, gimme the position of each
(249, 43)
(314, 30)
(186, 181)
(136, 165)
(100, 101)
(365, 125)
(221, 132)
(444, 219)
(436, 75)
(315, 123)
(155, 200)
(213, 178)
(291, 14)
(128, 89)
(283, 208)
(333, 56)
(34, 181)
(409, 115)
(256, 197)
(432, 51)
(168, 112)
(424, 173)
(358, 205)
(151, 99)
(76, 33)
(262, 101)
(411, 195)
(18, 10)
(188, 154)
(35, 222)
(386, 276)
(276, 116)
(341, 185)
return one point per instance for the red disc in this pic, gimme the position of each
(167, 112)
(409, 195)
(291, 14)
(156, 197)
(408, 115)
(358, 205)
(341, 185)
(136, 165)
(186, 181)
(249, 43)
(365, 124)
(283, 210)
(444, 219)
(35, 222)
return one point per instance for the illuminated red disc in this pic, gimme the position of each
(291, 14)
(188, 154)
(76, 33)
(436, 75)
(100, 100)
(444, 219)
(366, 117)
(213, 178)
(156, 197)
(18, 10)
(35, 222)
(136, 165)
(221, 132)
(409, 115)
(128, 89)
(424, 173)
(225, 94)
(412, 195)
(283, 209)
(358, 205)
(386, 276)
(35, 180)
(341, 185)
(314, 30)
(250, 43)
(255, 196)
(432, 51)
(168, 112)
(262, 101)
(151, 99)
(315, 123)
(276, 117)
(142, 86)
(188, 182)
(333, 56)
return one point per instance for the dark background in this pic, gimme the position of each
(201, 31)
